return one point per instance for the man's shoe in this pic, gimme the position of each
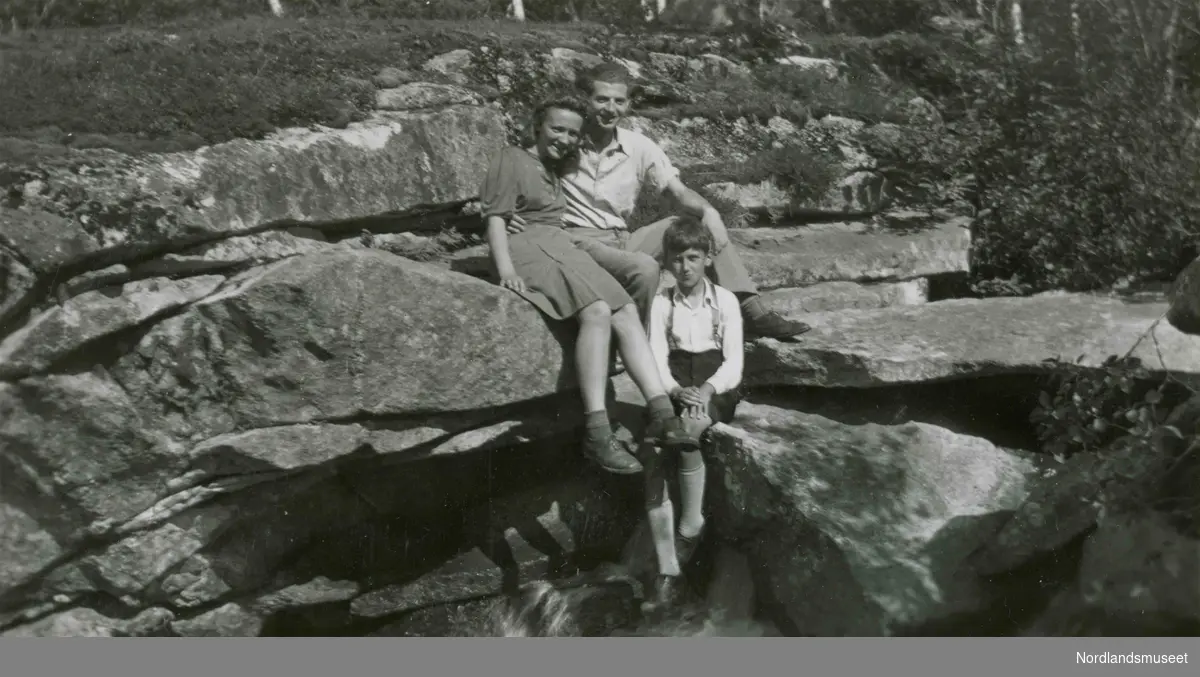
(773, 325)
(610, 455)
(667, 592)
(670, 433)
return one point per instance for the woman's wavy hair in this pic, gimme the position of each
(538, 116)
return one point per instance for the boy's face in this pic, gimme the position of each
(688, 266)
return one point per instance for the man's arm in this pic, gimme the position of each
(687, 199)
(694, 204)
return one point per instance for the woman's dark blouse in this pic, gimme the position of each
(518, 182)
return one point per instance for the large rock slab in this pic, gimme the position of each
(77, 442)
(415, 95)
(854, 252)
(968, 338)
(390, 162)
(861, 529)
(16, 287)
(827, 296)
(342, 334)
(92, 315)
(45, 240)
(234, 253)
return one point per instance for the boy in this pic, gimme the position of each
(696, 340)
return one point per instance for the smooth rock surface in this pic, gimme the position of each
(45, 240)
(827, 296)
(855, 252)
(325, 336)
(417, 95)
(861, 529)
(93, 315)
(969, 338)
(390, 162)
(235, 252)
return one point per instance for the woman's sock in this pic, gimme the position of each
(660, 408)
(597, 426)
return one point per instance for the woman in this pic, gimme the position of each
(544, 266)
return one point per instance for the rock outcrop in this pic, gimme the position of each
(862, 530)
(129, 207)
(967, 338)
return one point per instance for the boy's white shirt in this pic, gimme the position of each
(693, 333)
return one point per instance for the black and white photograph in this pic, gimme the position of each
(602, 319)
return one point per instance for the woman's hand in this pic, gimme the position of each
(515, 224)
(512, 281)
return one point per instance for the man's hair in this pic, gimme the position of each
(610, 72)
(538, 117)
(687, 233)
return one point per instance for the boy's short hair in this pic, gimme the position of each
(687, 233)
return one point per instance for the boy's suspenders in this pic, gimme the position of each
(718, 331)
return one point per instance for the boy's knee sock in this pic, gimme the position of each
(662, 529)
(691, 493)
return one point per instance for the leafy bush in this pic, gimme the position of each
(141, 90)
(1087, 410)
(861, 97)
(1083, 192)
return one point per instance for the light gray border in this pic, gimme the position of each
(607, 657)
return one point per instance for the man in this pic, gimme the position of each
(603, 184)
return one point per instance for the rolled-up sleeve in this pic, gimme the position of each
(657, 169)
(500, 189)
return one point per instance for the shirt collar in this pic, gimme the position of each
(617, 145)
(710, 294)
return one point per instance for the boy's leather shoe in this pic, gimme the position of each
(666, 592)
(670, 433)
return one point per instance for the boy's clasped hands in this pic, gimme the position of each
(694, 400)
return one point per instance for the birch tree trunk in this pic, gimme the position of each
(518, 9)
(1077, 39)
(276, 7)
(1171, 40)
(1018, 24)
(827, 5)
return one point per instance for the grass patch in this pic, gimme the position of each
(185, 85)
